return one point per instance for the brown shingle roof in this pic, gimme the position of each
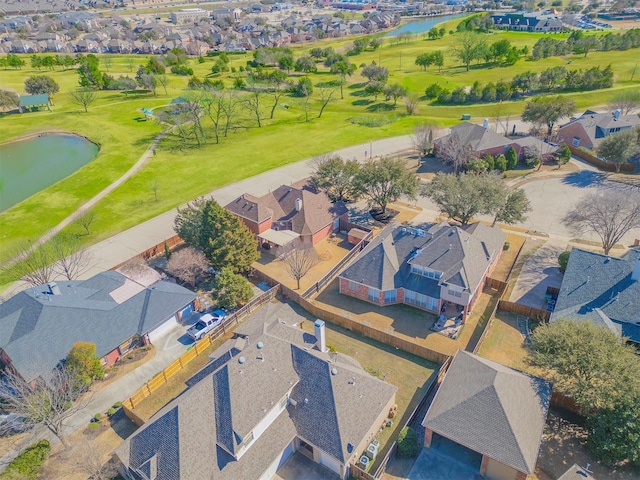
(316, 212)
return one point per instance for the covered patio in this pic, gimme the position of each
(277, 242)
(450, 320)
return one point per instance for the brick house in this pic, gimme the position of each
(114, 310)
(488, 416)
(482, 140)
(297, 214)
(591, 127)
(441, 269)
(258, 403)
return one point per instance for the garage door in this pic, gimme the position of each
(278, 462)
(329, 462)
(185, 312)
(162, 329)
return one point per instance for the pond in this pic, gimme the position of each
(423, 25)
(30, 165)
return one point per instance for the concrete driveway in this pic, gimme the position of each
(299, 467)
(431, 466)
(540, 271)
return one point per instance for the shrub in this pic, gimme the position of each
(332, 348)
(111, 411)
(500, 163)
(408, 443)
(182, 70)
(93, 426)
(563, 259)
(433, 90)
(97, 417)
(117, 405)
(29, 463)
(506, 246)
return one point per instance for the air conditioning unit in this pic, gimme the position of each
(372, 451)
(364, 462)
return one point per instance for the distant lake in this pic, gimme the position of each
(30, 165)
(423, 25)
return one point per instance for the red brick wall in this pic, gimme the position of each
(428, 435)
(264, 226)
(112, 357)
(362, 293)
(483, 465)
(322, 234)
(576, 129)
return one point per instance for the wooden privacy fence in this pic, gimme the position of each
(155, 251)
(367, 331)
(495, 284)
(333, 273)
(593, 160)
(525, 310)
(198, 348)
(420, 408)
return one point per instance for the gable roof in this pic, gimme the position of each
(597, 125)
(38, 328)
(462, 255)
(476, 136)
(491, 409)
(600, 289)
(316, 212)
(200, 430)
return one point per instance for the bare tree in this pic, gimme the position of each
(252, 103)
(627, 101)
(71, 260)
(154, 186)
(230, 113)
(163, 80)
(107, 61)
(47, 402)
(423, 138)
(411, 104)
(298, 261)
(86, 220)
(130, 62)
(93, 460)
(84, 97)
(610, 214)
(187, 264)
(325, 98)
(454, 151)
(33, 265)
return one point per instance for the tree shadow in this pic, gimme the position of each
(361, 103)
(359, 93)
(381, 107)
(585, 178)
(121, 424)
(357, 86)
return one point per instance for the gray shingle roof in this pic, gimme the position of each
(221, 409)
(491, 409)
(462, 255)
(597, 124)
(576, 472)
(599, 288)
(476, 136)
(38, 329)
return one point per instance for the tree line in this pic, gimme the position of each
(581, 43)
(554, 79)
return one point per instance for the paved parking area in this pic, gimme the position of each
(299, 467)
(540, 271)
(432, 466)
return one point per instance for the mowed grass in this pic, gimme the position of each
(183, 172)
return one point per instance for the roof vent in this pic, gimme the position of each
(242, 360)
(260, 345)
(54, 289)
(334, 371)
(616, 114)
(298, 204)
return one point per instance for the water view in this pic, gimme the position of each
(422, 25)
(30, 165)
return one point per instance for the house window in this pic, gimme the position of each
(353, 286)
(455, 293)
(414, 298)
(417, 269)
(575, 142)
(373, 295)
(389, 296)
(432, 303)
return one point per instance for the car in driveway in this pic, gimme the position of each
(205, 324)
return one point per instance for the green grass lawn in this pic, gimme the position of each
(183, 172)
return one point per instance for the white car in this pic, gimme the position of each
(205, 324)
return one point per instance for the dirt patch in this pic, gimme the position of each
(88, 451)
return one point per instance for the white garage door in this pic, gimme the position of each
(278, 462)
(162, 329)
(329, 462)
